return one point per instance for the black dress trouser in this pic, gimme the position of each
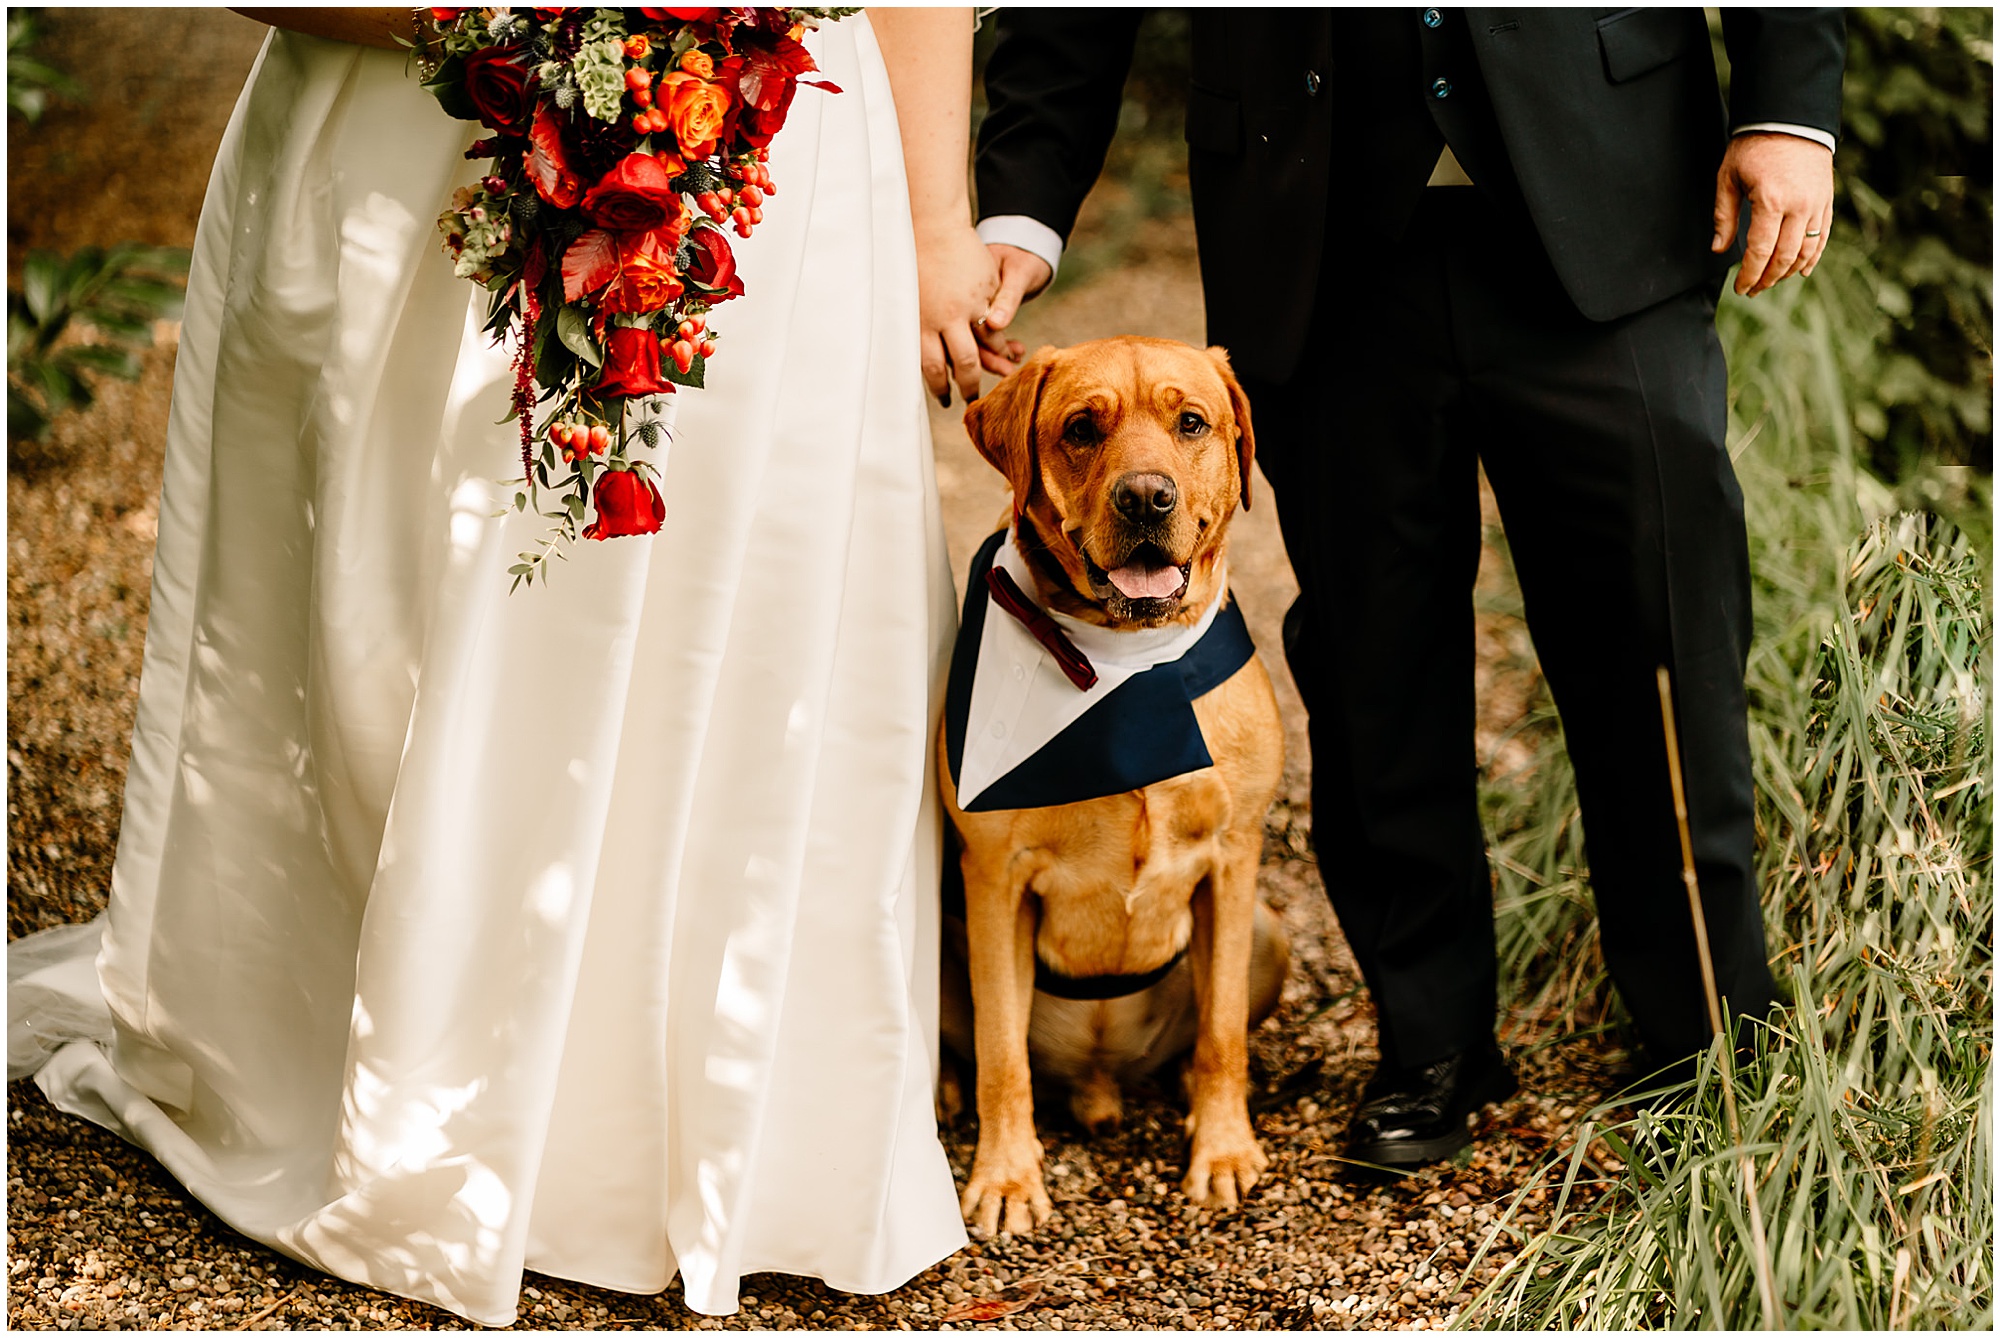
(1604, 445)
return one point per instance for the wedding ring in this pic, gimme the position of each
(1813, 233)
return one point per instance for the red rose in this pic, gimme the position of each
(684, 15)
(500, 89)
(626, 504)
(632, 363)
(441, 17)
(635, 196)
(713, 265)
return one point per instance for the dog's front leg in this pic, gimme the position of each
(1224, 1161)
(1005, 1189)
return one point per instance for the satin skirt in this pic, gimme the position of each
(590, 929)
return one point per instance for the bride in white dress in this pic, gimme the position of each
(590, 929)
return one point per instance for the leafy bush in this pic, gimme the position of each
(117, 294)
(29, 81)
(1916, 167)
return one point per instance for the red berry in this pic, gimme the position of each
(706, 348)
(699, 322)
(641, 125)
(638, 77)
(579, 437)
(559, 434)
(756, 215)
(642, 97)
(742, 216)
(751, 196)
(726, 195)
(600, 438)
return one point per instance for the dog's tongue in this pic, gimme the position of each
(1136, 580)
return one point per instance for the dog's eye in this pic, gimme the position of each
(1193, 424)
(1080, 432)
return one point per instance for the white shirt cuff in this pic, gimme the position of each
(1036, 238)
(1786, 128)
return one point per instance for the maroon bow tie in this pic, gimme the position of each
(1043, 628)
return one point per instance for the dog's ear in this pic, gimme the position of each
(1239, 408)
(1001, 423)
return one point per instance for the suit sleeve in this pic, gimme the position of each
(1785, 65)
(1054, 84)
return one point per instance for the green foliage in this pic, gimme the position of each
(29, 81)
(117, 294)
(1916, 173)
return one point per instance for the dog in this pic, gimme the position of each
(1111, 918)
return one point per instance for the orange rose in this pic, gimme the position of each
(696, 110)
(646, 278)
(696, 62)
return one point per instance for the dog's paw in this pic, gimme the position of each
(1221, 1171)
(1005, 1193)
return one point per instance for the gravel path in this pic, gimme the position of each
(100, 1238)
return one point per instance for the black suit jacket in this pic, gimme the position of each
(1603, 127)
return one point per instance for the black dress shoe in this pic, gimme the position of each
(1412, 1116)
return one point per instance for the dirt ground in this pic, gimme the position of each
(99, 1237)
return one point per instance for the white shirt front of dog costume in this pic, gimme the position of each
(1020, 696)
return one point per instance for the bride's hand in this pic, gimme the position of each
(928, 54)
(956, 280)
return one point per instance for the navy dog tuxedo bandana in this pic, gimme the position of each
(1020, 733)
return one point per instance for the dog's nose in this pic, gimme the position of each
(1145, 497)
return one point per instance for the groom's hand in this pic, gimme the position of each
(1022, 275)
(1787, 182)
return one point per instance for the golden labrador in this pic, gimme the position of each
(1127, 458)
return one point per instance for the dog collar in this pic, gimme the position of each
(1051, 981)
(1019, 733)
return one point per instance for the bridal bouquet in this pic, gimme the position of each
(626, 145)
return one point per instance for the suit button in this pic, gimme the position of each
(1441, 88)
(1432, 18)
(1312, 83)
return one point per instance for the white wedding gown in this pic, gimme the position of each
(589, 929)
